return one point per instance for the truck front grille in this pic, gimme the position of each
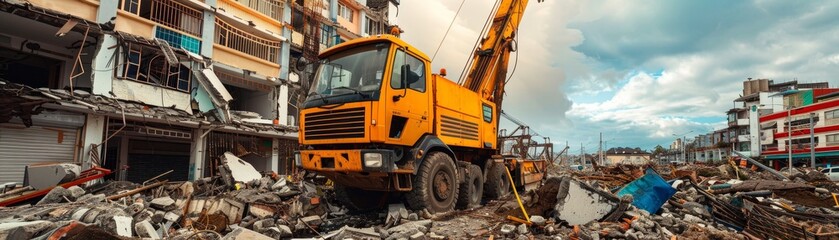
(334, 124)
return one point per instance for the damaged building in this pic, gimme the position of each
(143, 87)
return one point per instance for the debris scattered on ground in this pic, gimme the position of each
(623, 202)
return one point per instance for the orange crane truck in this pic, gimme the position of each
(380, 124)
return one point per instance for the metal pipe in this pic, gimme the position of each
(764, 167)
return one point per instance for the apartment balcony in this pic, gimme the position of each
(85, 9)
(743, 138)
(241, 49)
(178, 24)
(265, 14)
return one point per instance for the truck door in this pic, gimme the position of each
(408, 113)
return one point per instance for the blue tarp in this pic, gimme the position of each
(649, 192)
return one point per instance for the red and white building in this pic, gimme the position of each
(775, 132)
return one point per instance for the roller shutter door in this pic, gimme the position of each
(20, 146)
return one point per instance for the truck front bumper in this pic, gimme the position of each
(358, 160)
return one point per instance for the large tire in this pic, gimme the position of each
(497, 185)
(472, 188)
(359, 200)
(435, 185)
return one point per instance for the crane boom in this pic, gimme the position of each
(488, 65)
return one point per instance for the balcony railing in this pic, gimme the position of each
(271, 8)
(232, 37)
(176, 15)
(168, 13)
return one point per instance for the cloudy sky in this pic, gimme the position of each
(637, 71)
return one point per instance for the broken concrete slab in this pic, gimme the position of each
(538, 220)
(347, 232)
(313, 220)
(395, 213)
(123, 226)
(240, 170)
(522, 229)
(146, 230)
(261, 211)
(280, 185)
(163, 203)
(417, 236)
(76, 192)
(24, 230)
(44, 176)
(579, 203)
(56, 195)
(263, 224)
(245, 234)
(410, 227)
(507, 228)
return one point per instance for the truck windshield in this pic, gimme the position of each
(355, 74)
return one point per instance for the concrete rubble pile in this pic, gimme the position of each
(688, 202)
(240, 203)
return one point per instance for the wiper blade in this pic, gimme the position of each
(322, 98)
(355, 91)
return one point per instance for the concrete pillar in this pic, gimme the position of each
(105, 63)
(285, 51)
(274, 164)
(282, 106)
(208, 30)
(94, 131)
(333, 10)
(362, 23)
(196, 155)
(106, 11)
(123, 157)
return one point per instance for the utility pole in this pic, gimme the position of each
(684, 149)
(582, 155)
(600, 150)
(812, 142)
(789, 139)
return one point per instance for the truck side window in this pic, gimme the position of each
(487, 113)
(412, 68)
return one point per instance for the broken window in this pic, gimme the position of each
(373, 27)
(147, 64)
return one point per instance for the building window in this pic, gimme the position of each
(831, 114)
(149, 65)
(229, 36)
(325, 35)
(271, 8)
(802, 143)
(177, 40)
(345, 12)
(132, 6)
(373, 27)
(832, 139)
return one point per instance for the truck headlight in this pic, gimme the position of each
(297, 161)
(372, 159)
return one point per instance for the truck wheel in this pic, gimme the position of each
(471, 189)
(497, 184)
(358, 200)
(435, 185)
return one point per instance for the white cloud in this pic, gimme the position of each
(660, 68)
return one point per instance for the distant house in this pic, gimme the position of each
(620, 155)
